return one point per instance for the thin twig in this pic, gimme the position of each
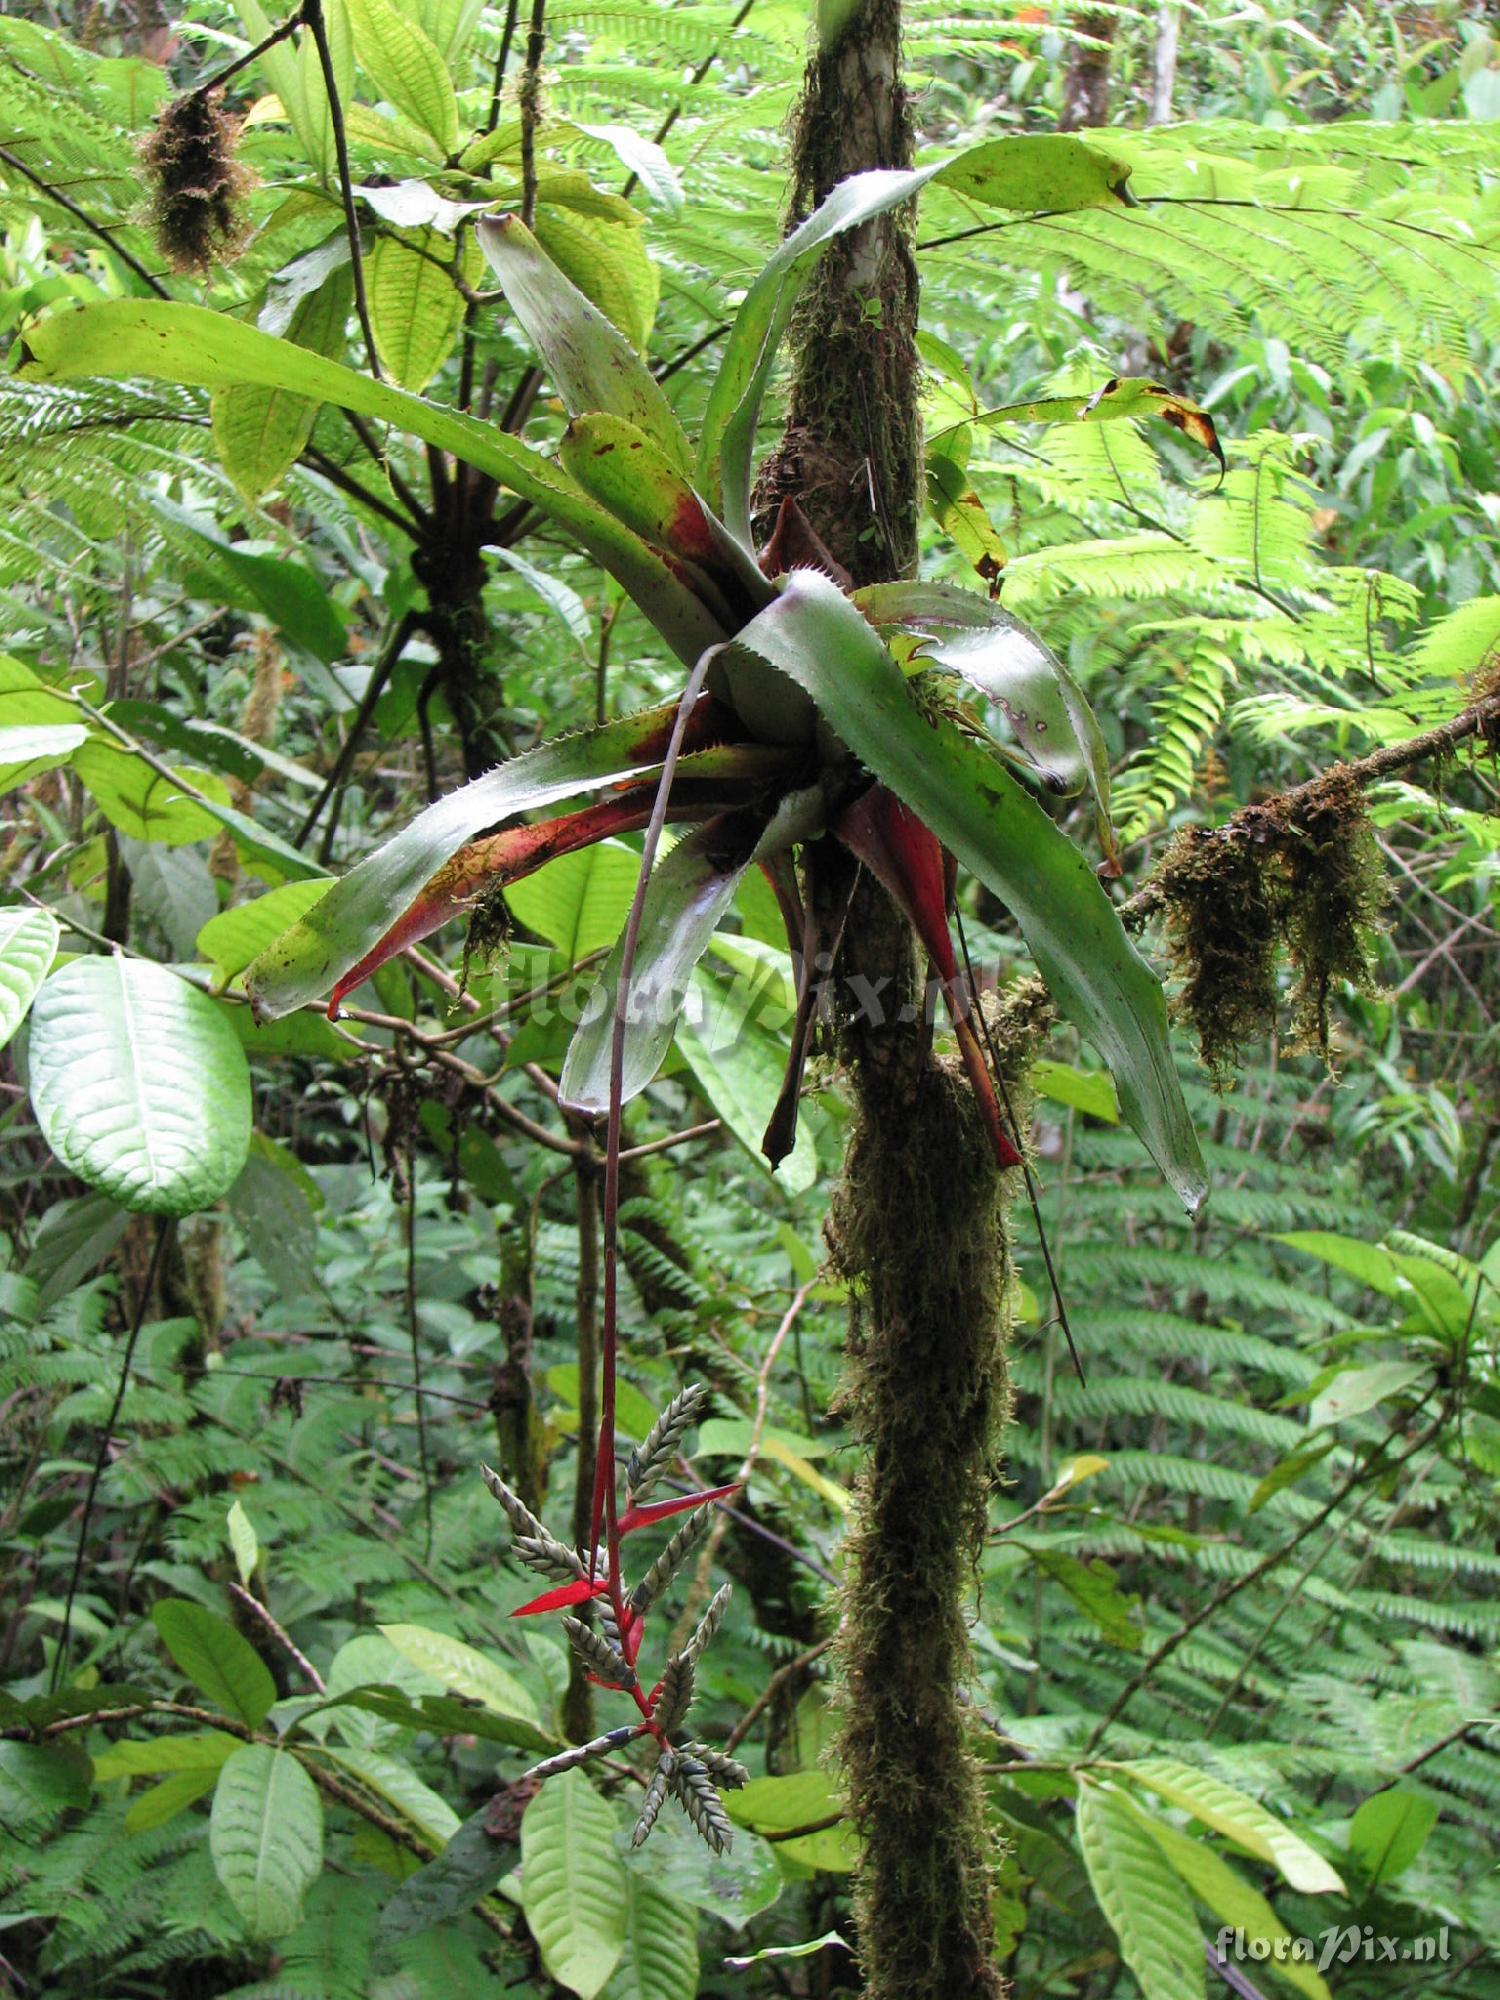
(60, 1658)
(769, 1692)
(531, 107)
(313, 14)
(380, 673)
(287, 29)
(279, 1633)
(1015, 1134)
(697, 1592)
(82, 215)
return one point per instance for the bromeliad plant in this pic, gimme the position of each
(690, 1770)
(815, 720)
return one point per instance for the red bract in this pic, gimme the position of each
(565, 1595)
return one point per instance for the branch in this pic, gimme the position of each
(81, 215)
(1480, 718)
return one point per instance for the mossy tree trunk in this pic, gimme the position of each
(918, 1224)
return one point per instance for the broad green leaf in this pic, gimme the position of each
(659, 1954)
(1012, 667)
(1355, 1390)
(295, 601)
(1289, 1471)
(634, 1413)
(243, 1542)
(739, 1065)
(462, 1670)
(1095, 1590)
(1371, 1263)
(259, 433)
(1234, 1902)
(266, 1837)
(28, 749)
(1142, 1898)
(444, 1715)
(28, 945)
(987, 820)
(31, 714)
(733, 1886)
(643, 158)
(469, 1867)
(573, 1889)
(40, 1780)
(216, 1659)
(230, 940)
(139, 1085)
(729, 1437)
(1389, 1831)
(143, 803)
(148, 1757)
(393, 1780)
(1049, 170)
(173, 1795)
(689, 891)
(580, 901)
(281, 70)
(334, 935)
(1086, 1090)
(774, 1805)
(415, 307)
(405, 67)
(188, 344)
(1238, 1818)
(959, 511)
(594, 367)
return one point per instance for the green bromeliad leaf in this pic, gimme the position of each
(358, 910)
(178, 343)
(1050, 171)
(1014, 669)
(594, 367)
(988, 820)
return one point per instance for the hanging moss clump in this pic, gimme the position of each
(1223, 929)
(1298, 875)
(197, 184)
(1335, 891)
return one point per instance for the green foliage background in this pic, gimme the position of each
(1273, 1567)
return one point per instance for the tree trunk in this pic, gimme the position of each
(918, 1225)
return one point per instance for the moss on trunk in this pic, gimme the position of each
(917, 1226)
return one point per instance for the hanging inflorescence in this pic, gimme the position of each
(687, 1770)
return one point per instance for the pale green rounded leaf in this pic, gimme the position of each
(1240, 1819)
(659, 1960)
(28, 945)
(266, 1837)
(461, 1669)
(1146, 1904)
(573, 1889)
(140, 1086)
